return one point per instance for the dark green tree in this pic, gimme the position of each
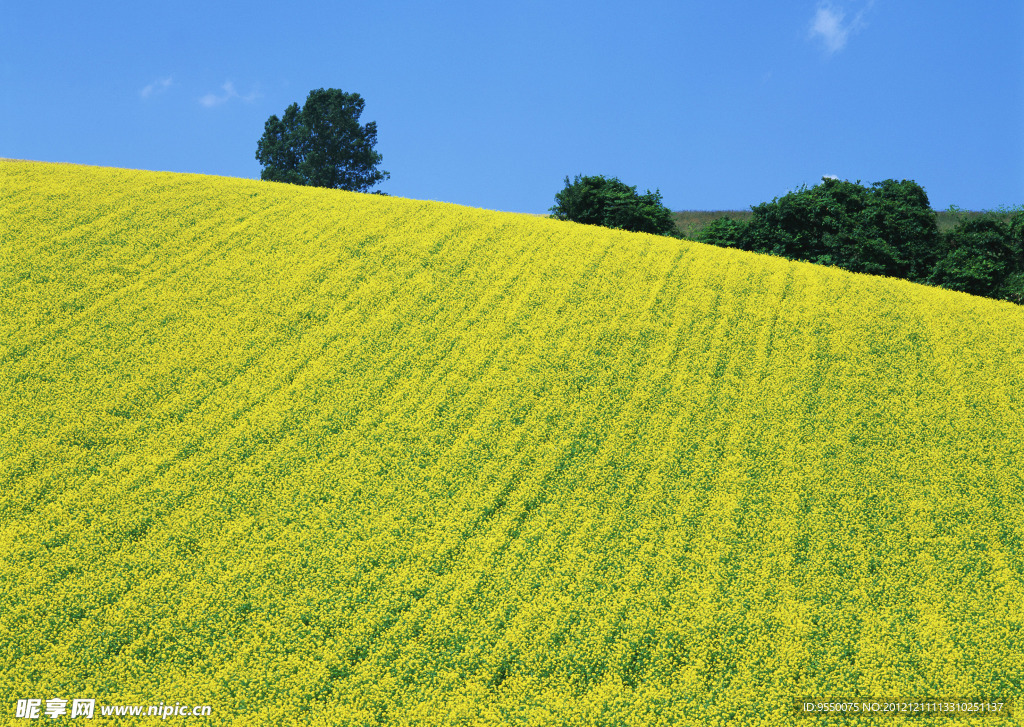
(977, 256)
(322, 144)
(611, 203)
(887, 229)
(791, 226)
(901, 215)
(1012, 287)
(722, 231)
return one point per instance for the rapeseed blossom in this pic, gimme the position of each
(316, 457)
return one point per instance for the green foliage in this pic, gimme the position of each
(886, 229)
(1016, 230)
(978, 257)
(901, 215)
(723, 231)
(322, 144)
(691, 223)
(1012, 288)
(611, 203)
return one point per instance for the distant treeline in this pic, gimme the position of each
(887, 229)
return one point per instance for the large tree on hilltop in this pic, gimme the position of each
(322, 144)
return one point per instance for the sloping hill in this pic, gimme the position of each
(315, 457)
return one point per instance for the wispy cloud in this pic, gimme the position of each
(832, 29)
(156, 87)
(212, 99)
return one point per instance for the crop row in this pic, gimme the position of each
(320, 457)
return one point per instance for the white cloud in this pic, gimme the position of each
(829, 176)
(158, 86)
(211, 99)
(830, 27)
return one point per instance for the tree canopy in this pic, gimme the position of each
(888, 229)
(322, 144)
(611, 203)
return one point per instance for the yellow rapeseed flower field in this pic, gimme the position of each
(311, 457)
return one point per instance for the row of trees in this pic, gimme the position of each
(888, 228)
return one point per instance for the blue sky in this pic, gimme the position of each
(720, 105)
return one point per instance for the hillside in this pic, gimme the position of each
(316, 457)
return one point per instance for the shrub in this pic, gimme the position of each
(723, 232)
(901, 214)
(976, 257)
(611, 203)
(886, 229)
